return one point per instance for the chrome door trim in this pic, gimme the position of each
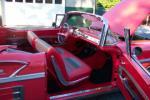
(124, 80)
(22, 77)
(135, 59)
(78, 92)
(121, 68)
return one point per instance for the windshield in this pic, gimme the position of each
(78, 21)
(84, 20)
(89, 26)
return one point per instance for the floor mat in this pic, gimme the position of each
(104, 74)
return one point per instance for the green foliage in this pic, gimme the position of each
(107, 3)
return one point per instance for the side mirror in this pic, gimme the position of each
(53, 24)
(127, 40)
(137, 51)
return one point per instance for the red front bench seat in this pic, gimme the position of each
(68, 68)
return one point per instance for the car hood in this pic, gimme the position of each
(127, 14)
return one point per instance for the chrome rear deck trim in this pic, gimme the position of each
(22, 77)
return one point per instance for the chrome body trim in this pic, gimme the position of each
(138, 62)
(22, 77)
(15, 61)
(121, 68)
(145, 60)
(78, 92)
(125, 82)
(17, 71)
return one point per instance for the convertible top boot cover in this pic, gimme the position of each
(68, 68)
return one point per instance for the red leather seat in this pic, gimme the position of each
(68, 68)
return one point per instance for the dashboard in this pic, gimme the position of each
(87, 36)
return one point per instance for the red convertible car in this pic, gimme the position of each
(86, 56)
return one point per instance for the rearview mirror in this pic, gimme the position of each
(127, 40)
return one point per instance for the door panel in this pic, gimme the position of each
(132, 79)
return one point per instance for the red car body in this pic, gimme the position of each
(86, 56)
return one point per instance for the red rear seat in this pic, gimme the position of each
(31, 37)
(68, 68)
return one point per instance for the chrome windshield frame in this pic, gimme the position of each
(104, 31)
(105, 28)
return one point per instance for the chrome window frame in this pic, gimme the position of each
(134, 57)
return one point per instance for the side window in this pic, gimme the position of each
(58, 1)
(48, 1)
(111, 38)
(18, 0)
(29, 1)
(39, 1)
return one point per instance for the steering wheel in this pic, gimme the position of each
(64, 33)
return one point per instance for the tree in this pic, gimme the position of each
(107, 4)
